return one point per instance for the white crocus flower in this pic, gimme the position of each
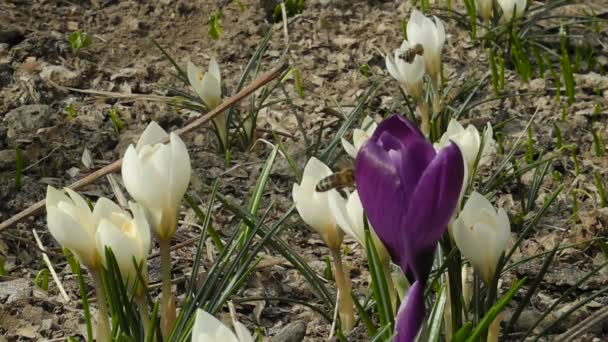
(73, 224)
(209, 329)
(128, 237)
(409, 75)
(509, 5)
(208, 86)
(484, 8)
(360, 135)
(469, 142)
(431, 35)
(157, 176)
(349, 216)
(313, 206)
(481, 234)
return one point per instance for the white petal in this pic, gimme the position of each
(143, 181)
(195, 77)
(180, 169)
(349, 148)
(72, 235)
(211, 90)
(503, 230)
(355, 214)
(367, 122)
(521, 7)
(125, 247)
(242, 332)
(454, 128)
(104, 208)
(151, 135)
(440, 34)
(392, 69)
(205, 325)
(143, 227)
(79, 202)
(214, 69)
(473, 208)
(337, 205)
(55, 196)
(472, 244)
(415, 30)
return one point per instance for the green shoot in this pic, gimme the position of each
(71, 111)
(79, 40)
(76, 269)
(599, 146)
(117, 123)
(42, 279)
(601, 190)
(215, 25)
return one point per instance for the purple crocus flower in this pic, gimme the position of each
(409, 193)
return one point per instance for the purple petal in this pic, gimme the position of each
(399, 127)
(388, 167)
(436, 197)
(381, 194)
(411, 314)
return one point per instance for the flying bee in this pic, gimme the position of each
(340, 179)
(411, 53)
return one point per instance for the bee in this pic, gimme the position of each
(338, 180)
(411, 53)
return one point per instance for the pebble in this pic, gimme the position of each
(24, 121)
(293, 332)
(60, 75)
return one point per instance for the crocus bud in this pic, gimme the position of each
(508, 6)
(157, 176)
(484, 8)
(313, 206)
(360, 135)
(409, 75)
(481, 234)
(208, 86)
(128, 237)
(349, 216)
(73, 224)
(469, 142)
(431, 35)
(209, 329)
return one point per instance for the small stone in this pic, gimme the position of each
(7, 160)
(24, 121)
(293, 332)
(60, 75)
(72, 25)
(15, 290)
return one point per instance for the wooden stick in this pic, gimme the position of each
(38, 207)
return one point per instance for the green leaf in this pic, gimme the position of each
(42, 279)
(215, 25)
(79, 40)
(378, 280)
(495, 311)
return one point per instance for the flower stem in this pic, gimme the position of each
(103, 324)
(494, 330)
(425, 119)
(168, 313)
(346, 306)
(144, 316)
(386, 269)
